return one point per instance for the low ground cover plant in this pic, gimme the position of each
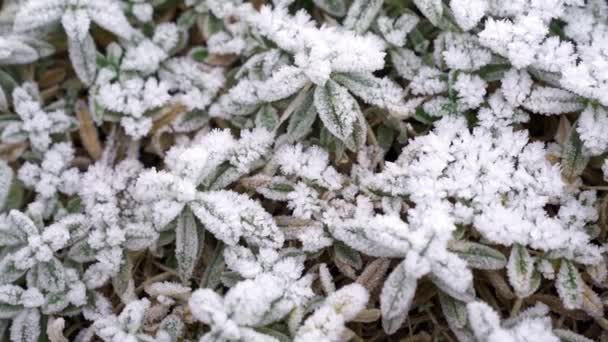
(303, 170)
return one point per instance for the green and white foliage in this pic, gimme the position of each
(130, 324)
(33, 123)
(76, 18)
(327, 322)
(294, 170)
(138, 78)
(22, 49)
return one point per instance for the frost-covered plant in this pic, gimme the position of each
(32, 122)
(130, 325)
(327, 322)
(303, 170)
(54, 174)
(135, 82)
(76, 17)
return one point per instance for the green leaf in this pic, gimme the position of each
(50, 275)
(6, 181)
(520, 271)
(380, 92)
(14, 198)
(187, 19)
(187, 244)
(336, 8)
(361, 14)
(82, 252)
(385, 136)
(199, 54)
(347, 255)
(213, 272)
(341, 114)
(574, 158)
(267, 117)
(8, 311)
(83, 55)
(396, 298)
(569, 285)
(431, 9)
(455, 311)
(8, 272)
(8, 84)
(74, 205)
(478, 256)
(493, 72)
(302, 119)
(123, 283)
(22, 223)
(55, 302)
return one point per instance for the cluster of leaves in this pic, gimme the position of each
(303, 170)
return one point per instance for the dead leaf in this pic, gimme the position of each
(368, 316)
(592, 304)
(168, 116)
(88, 131)
(12, 152)
(54, 330)
(374, 273)
(52, 77)
(563, 130)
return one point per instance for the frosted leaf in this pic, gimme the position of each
(230, 216)
(337, 8)
(471, 91)
(428, 81)
(204, 303)
(405, 62)
(397, 294)
(109, 15)
(483, 320)
(6, 181)
(478, 255)
(591, 127)
(395, 30)
(187, 244)
(133, 314)
(35, 124)
(283, 83)
(49, 177)
(145, 57)
(520, 271)
(20, 49)
(460, 51)
(76, 24)
(143, 11)
(381, 92)
(26, 326)
(468, 13)
(361, 15)
(569, 285)
(516, 86)
(432, 10)
(197, 85)
(327, 322)
(338, 110)
(547, 100)
(34, 14)
(83, 54)
(311, 163)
